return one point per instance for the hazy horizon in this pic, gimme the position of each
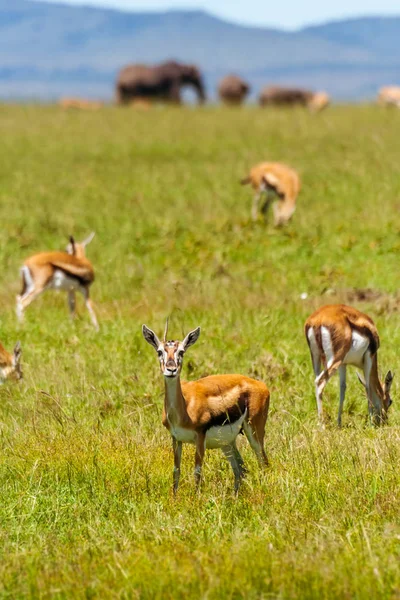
(285, 14)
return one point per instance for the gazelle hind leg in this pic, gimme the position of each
(28, 288)
(199, 457)
(24, 301)
(342, 380)
(235, 459)
(320, 383)
(255, 436)
(89, 306)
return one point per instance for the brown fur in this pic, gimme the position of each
(10, 366)
(196, 406)
(341, 321)
(280, 180)
(6, 359)
(43, 266)
(41, 269)
(217, 397)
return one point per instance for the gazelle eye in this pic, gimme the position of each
(160, 353)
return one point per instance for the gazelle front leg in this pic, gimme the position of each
(72, 303)
(89, 306)
(342, 380)
(177, 447)
(256, 441)
(200, 451)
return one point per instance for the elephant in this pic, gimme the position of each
(233, 90)
(282, 96)
(160, 82)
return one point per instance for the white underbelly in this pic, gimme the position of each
(61, 281)
(359, 346)
(223, 435)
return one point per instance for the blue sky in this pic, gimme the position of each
(282, 13)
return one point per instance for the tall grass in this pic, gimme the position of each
(86, 506)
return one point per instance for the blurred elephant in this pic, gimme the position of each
(233, 90)
(160, 82)
(282, 96)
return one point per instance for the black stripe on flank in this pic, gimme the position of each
(84, 281)
(232, 414)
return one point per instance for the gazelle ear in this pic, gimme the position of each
(388, 380)
(88, 239)
(17, 352)
(150, 337)
(191, 338)
(361, 380)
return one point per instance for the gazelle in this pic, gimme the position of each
(70, 271)
(210, 412)
(10, 364)
(338, 336)
(278, 182)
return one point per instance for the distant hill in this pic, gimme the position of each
(51, 49)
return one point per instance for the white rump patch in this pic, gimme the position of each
(26, 274)
(359, 346)
(327, 345)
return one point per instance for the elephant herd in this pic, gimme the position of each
(140, 85)
(164, 82)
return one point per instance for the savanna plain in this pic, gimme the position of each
(86, 505)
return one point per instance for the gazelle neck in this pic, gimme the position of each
(174, 402)
(375, 386)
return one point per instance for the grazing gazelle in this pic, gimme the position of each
(70, 271)
(278, 182)
(10, 364)
(209, 412)
(338, 336)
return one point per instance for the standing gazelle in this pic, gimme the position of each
(277, 182)
(210, 412)
(338, 336)
(70, 271)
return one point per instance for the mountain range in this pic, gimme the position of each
(49, 49)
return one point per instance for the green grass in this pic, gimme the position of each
(86, 507)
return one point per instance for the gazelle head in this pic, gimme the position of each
(78, 248)
(170, 353)
(383, 392)
(11, 367)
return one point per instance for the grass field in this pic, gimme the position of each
(86, 506)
